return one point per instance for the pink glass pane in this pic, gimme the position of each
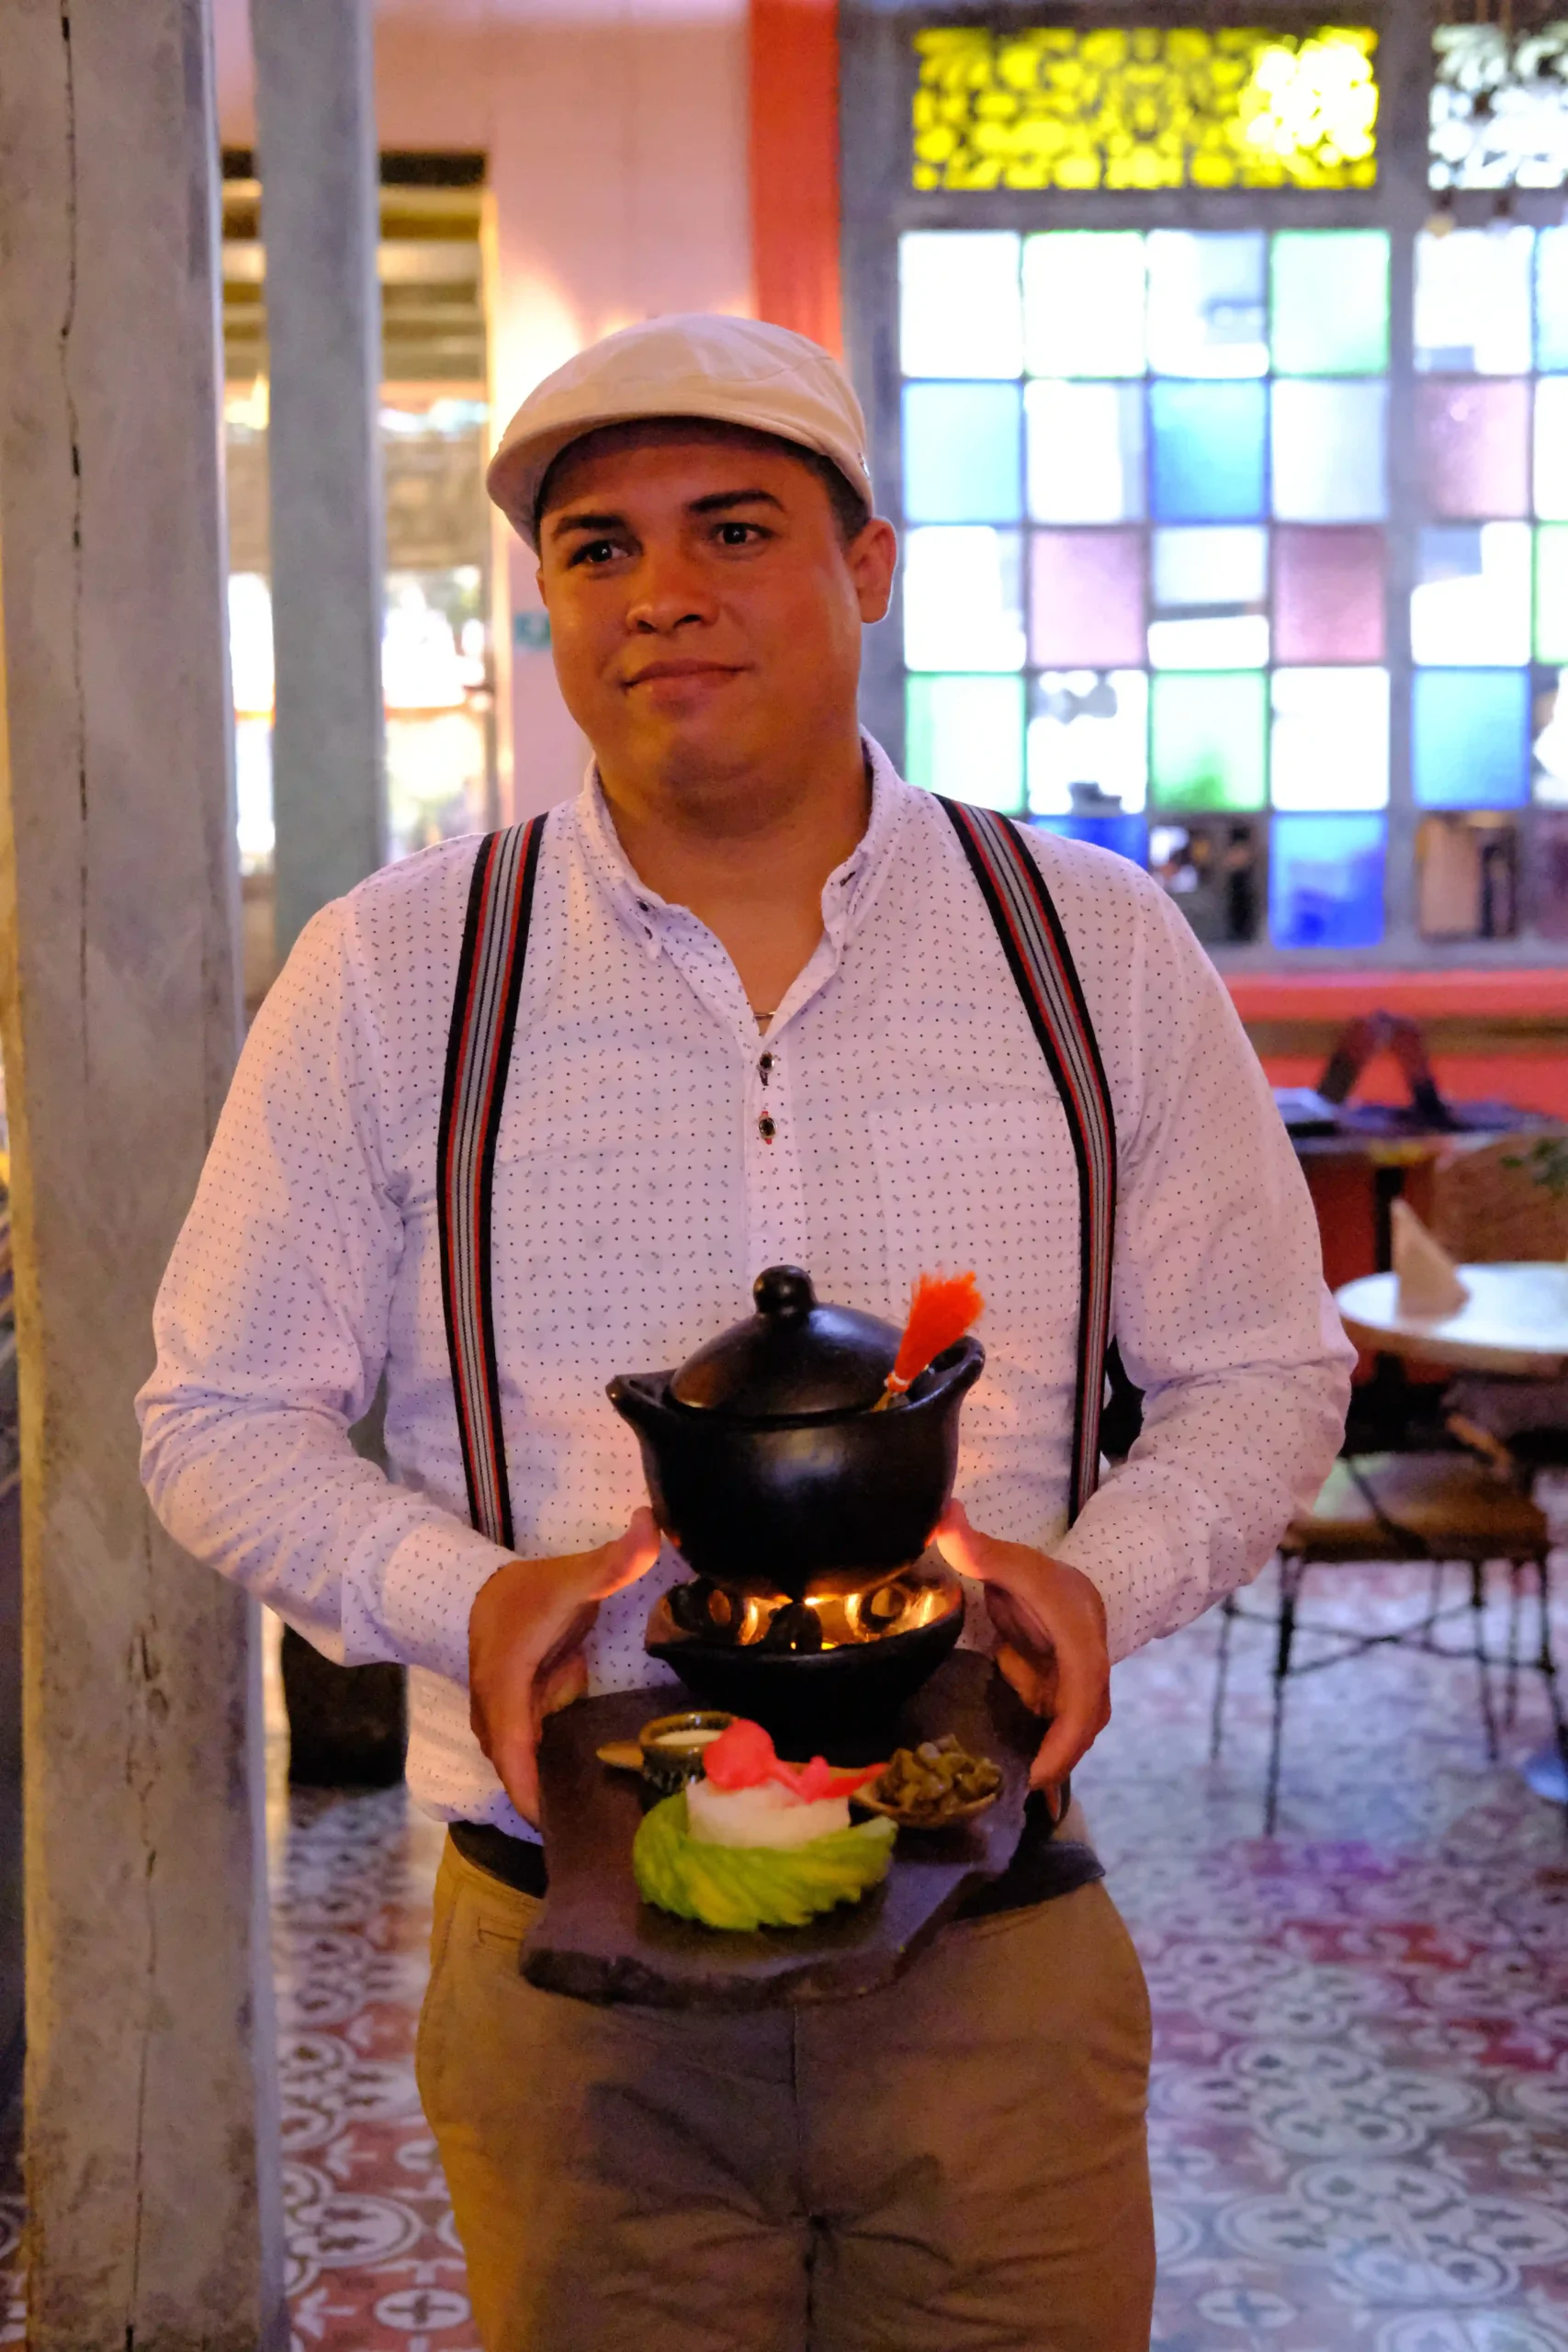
(1473, 448)
(1328, 594)
(1086, 610)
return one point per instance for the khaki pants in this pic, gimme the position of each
(953, 2164)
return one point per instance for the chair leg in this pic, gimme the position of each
(1222, 1674)
(1434, 1603)
(1478, 1649)
(1292, 1573)
(1547, 1663)
(1511, 1687)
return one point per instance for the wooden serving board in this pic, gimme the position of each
(597, 1940)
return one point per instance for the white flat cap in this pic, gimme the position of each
(737, 371)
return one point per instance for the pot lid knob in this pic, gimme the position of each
(784, 1292)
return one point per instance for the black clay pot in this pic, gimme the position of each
(766, 1466)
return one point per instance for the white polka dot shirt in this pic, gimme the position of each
(654, 1155)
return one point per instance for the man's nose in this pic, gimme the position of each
(671, 591)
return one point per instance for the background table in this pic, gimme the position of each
(1515, 1322)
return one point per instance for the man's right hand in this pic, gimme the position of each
(527, 1630)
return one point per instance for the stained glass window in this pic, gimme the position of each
(1330, 460)
(1468, 738)
(1499, 115)
(1474, 299)
(1330, 595)
(1208, 452)
(962, 599)
(961, 453)
(1161, 483)
(1329, 301)
(1144, 108)
(1089, 747)
(1085, 452)
(966, 739)
(1208, 740)
(1325, 881)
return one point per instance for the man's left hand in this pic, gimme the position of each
(1054, 1651)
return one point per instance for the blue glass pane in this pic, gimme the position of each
(1124, 835)
(963, 453)
(1325, 881)
(1470, 732)
(1208, 452)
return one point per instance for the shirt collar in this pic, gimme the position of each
(846, 895)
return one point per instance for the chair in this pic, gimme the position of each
(1487, 1210)
(1441, 1508)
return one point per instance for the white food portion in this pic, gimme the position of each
(701, 1737)
(770, 1815)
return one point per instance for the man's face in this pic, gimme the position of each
(704, 607)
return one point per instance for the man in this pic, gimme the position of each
(765, 1017)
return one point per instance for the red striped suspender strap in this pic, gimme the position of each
(479, 1051)
(1041, 962)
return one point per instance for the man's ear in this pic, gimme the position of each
(873, 557)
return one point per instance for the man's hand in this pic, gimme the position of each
(527, 1630)
(1052, 1622)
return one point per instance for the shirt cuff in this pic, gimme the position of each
(428, 1587)
(1103, 1545)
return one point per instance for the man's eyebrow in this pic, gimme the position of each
(718, 500)
(581, 522)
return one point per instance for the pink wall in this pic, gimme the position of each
(616, 133)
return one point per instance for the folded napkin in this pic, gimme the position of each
(1428, 1282)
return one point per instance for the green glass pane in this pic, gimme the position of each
(1206, 747)
(1083, 302)
(1551, 592)
(966, 739)
(1329, 301)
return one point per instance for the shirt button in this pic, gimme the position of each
(766, 1129)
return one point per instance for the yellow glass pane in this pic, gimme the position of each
(1144, 108)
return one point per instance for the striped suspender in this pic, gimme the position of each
(479, 1052)
(1041, 963)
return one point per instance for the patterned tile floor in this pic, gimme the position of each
(1359, 2119)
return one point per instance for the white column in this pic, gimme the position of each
(152, 2144)
(320, 174)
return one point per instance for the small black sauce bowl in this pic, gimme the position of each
(667, 1769)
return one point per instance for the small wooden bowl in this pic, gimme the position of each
(668, 1764)
(964, 1812)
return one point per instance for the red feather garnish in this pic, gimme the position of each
(941, 1308)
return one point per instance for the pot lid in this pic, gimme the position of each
(791, 1357)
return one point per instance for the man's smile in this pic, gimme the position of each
(679, 668)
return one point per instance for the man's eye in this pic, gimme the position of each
(594, 551)
(740, 535)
